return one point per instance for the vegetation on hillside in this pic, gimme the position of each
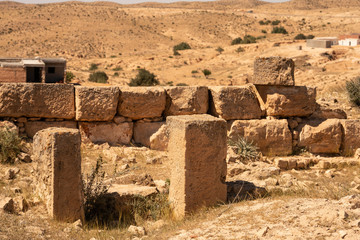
(99, 77)
(144, 78)
(353, 89)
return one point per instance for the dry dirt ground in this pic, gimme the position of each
(306, 204)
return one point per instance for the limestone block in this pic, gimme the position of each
(96, 103)
(351, 139)
(10, 126)
(197, 151)
(32, 127)
(37, 100)
(274, 71)
(321, 136)
(160, 139)
(57, 158)
(272, 137)
(142, 102)
(286, 101)
(112, 133)
(144, 130)
(186, 100)
(234, 102)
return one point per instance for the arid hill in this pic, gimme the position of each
(320, 4)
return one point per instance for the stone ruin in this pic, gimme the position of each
(192, 123)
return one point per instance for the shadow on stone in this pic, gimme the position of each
(242, 190)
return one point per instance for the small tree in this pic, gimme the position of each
(206, 72)
(300, 36)
(144, 78)
(99, 77)
(236, 41)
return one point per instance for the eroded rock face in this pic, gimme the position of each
(272, 137)
(234, 102)
(142, 102)
(32, 127)
(351, 139)
(144, 130)
(186, 100)
(160, 139)
(37, 100)
(96, 103)
(197, 151)
(57, 158)
(321, 136)
(274, 71)
(284, 101)
(111, 133)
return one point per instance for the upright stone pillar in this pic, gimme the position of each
(197, 149)
(58, 171)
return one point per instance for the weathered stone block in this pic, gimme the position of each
(272, 137)
(197, 149)
(321, 136)
(186, 100)
(160, 139)
(37, 100)
(58, 172)
(234, 102)
(96, 103)
(142, 102)
(285, 101)
(112, 133)
(274, 71)
(144, 130)
(31, 128)
(351, 138)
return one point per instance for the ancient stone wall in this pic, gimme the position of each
(276, 115)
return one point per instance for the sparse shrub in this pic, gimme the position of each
(179, 47)
(248, 39)
(117, 69)
(10, 145)
(152, 207)
(276, 22)
(99, 77)
(310, 36)
(280, 30)
(260, 37)
(220, 50)
(245, 149)
(353, 89)
(194, 71)
(170, 83)
(144, 78)
(113, 56)
(236, 41)
(206, 72)
(264, 31)
(181, 84)
(69, 77)
(93, 67)
(116, 74)
(240, 49)
(95, 191)
(261, 22)
(300, 36)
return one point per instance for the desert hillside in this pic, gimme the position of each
(121, 38)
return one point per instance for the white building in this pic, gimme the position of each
(349, 40)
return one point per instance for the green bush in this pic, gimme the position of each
(236, 41)
(300, 36)
(194, 71)
(99, 77)
(179, 47)
(153, 207)
(116, 74)
(310, 36)
(10, 145)
(240, 49)
(181, 84)
(264, 31)
(117, 69)
(144, 78)
(69, 76)
(93, 67)
(276, 22)
(245, 149)
(206, 72)
(280, 30)
(261, 22)
(353, 90)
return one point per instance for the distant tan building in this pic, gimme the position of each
(314, 43)
(45, 70)
(349, 40)
(334, 40)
